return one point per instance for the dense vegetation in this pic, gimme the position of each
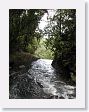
(42, 51)
(25, 36)
(23, 28)
(61, 32)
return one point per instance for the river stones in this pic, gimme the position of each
(21, 66)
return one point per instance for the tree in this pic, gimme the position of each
(61, 31)
(22, 27)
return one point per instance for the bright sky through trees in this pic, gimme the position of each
(44, 21)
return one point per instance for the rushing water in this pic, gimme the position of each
(40, 82)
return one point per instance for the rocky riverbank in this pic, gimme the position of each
(65, 71)
(39, 81)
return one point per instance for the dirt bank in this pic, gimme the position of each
(21, 58)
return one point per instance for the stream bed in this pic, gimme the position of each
(40, 81)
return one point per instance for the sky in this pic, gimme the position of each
(44, 20)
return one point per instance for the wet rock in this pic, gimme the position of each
(61, 97)
(30, 77)
(38, 83)
(21, 88)
(21, 66)
(61, 82)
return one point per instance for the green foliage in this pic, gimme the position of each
(32, 47)
(25, 35)
(22, 27)
(61, 31)
(42, 52)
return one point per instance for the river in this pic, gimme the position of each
(40, 81)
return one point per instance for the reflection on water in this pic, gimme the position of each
(43, 83)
